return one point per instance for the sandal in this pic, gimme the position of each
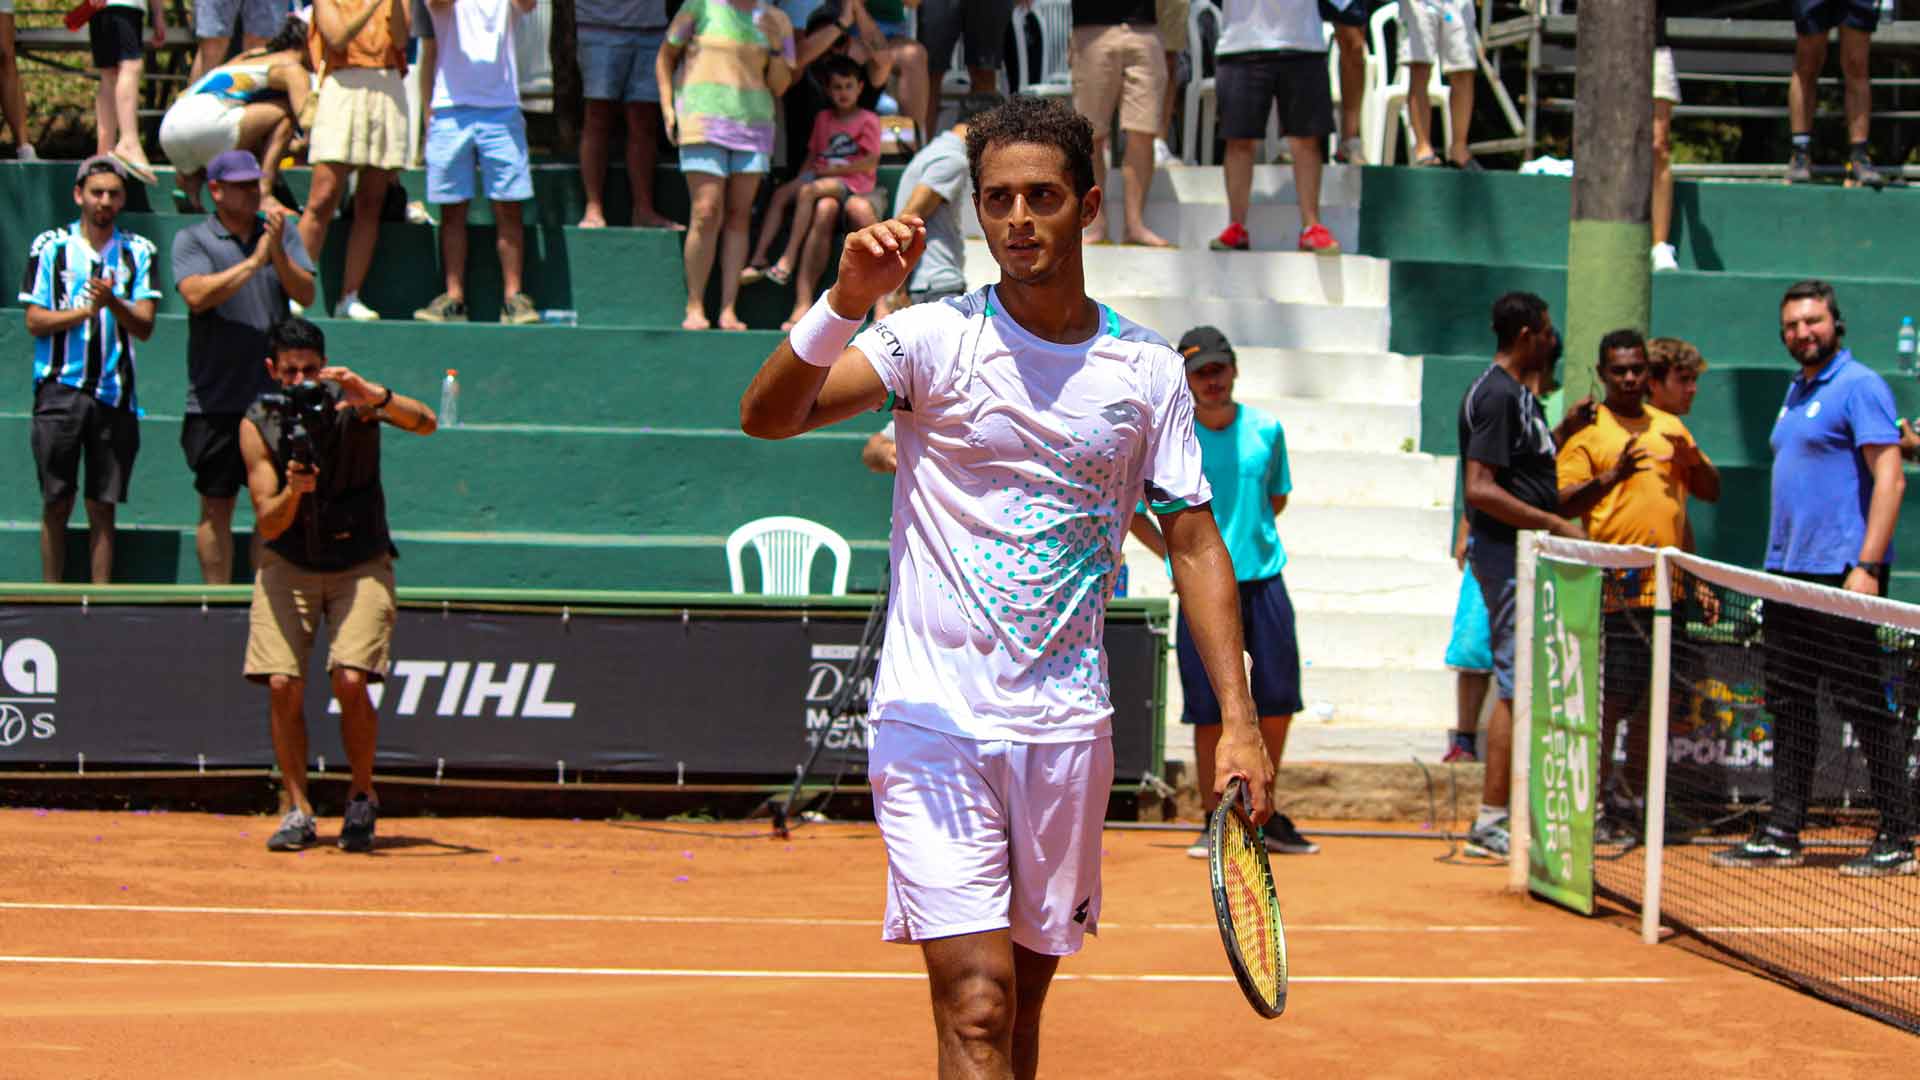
(1469, 165)
(779, 275)
(752, 275)
(1428, 160)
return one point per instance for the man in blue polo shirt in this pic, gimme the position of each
(1837, 486)
(1243, 453)
(88, 293)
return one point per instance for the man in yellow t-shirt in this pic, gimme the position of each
(1627, 476)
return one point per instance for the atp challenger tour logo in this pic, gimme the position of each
(1562, 732)
(465, 688)
(31, 675)
(825, 677)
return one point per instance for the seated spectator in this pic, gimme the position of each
(247, 104)
(119, 54)
(832, 30)
(982, 25)
(88, 293)
(1120, 65)
(619, 45)
(1272, 54)
(359, 127)
(214, 22)
(723, 64)
(934, 187)
(918, 102)
(842, 156)
(1441, 31)
(13, 102)
(478, 127)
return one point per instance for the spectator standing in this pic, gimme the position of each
(477, 127)
(426, 64)
(1507, 452)
(236, 269)
(214, 22)
(723, 64)
(1442, 32)
(1674, 368)
(119, 55)
(1272, 54)
(88, 293)
(1837, 486)
(1666, 94)
(619, 46)
(359, 128)
(1470, 655)
(933, 187)
(1349, 21)
(982, 26)
(1171, 18)
(248, 104)
(1120, 65)
(1243, 453)
(13, 101)
(1813, 20)
(328, 554)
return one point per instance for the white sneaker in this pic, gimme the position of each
(1663, 257)
(26, 152)
(1198, 849)
(417, 214)
(1353, 151)
(1163, 155)
(350, 307)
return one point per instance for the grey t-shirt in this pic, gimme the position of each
(941, 166)
(621, 14)
(227, 346)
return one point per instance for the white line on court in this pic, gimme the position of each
(762, 973)
(678, 920)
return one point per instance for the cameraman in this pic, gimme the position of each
(312, 455)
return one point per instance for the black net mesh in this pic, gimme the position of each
(1790, 750)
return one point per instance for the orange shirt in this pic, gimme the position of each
(372, 47)
(1648, 507)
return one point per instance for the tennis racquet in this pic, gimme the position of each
(1245, 904)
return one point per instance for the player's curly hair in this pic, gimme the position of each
(1042, 121)
(1665, 354)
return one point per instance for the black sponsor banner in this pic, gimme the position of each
(700, 691)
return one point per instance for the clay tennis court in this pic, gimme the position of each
(174, 944)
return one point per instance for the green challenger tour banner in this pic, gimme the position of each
(1565, 750)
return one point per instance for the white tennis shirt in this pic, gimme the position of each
(1020, 462)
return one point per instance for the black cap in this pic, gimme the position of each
(1204, 345)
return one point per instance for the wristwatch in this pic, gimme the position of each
(1877, 569)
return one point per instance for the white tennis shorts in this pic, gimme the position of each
(990, 835)
(1440, 30)
(197, 129)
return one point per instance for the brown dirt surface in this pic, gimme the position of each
(596, 948)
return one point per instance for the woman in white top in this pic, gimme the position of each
(248, 103)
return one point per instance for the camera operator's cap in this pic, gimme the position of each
(1204, 345)
(97, 164)
(234, 166)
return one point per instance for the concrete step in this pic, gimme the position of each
(1313, 740)
(1357, 584)
(1276, 277)
(1339, 185)
(1387, 643)
(1383, 377)
(1317, 528)
(1316, 327)
(1354, 478)
(1412, 699)
(1319, 424)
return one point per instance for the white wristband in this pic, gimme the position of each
(822, 334)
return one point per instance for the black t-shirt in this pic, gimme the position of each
(1503, 425)
(1113, 12)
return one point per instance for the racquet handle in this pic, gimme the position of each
(79, 14)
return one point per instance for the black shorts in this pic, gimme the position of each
(1626, 659)
(1266, 618)
(1821, 16)
(67, 425)
(1250, 85)
(981, 23)
(114, 33)
(212, 445)
(1346, 12)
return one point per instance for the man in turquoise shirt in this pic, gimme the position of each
(1243, 452)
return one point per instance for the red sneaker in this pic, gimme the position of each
(1459, 755)
(1319, 241)
(1232, 238)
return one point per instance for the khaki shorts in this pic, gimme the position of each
(361, 119)
(289, 601)
(1172, 17)
(1442, 31)
(1666, 83)
(1123, 66)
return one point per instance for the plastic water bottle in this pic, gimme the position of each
(1905, 345)
(560, 317)
(450, 399)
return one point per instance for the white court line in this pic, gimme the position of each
(679, 920)
(762, 973)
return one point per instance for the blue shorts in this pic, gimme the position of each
(1492, 562)
(1266, 621)
(617, 65)
(720, 161)
(1821, 16)
(462, 139)
(1470, 649)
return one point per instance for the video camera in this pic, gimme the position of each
(301, 407)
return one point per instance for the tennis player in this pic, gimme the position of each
(1029, 418)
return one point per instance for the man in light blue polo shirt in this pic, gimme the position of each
(1837, 486)
(1243, 453)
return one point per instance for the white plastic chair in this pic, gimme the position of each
(1056, 48)
(1386, 114)
(786, 546)
(1203, 100)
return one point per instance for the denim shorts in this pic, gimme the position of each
(720, 161)
(463, 139)
(617, 65)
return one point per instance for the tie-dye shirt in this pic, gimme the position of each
(720, 93)
(1020, 463)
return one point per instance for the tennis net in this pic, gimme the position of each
(1751, 781)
